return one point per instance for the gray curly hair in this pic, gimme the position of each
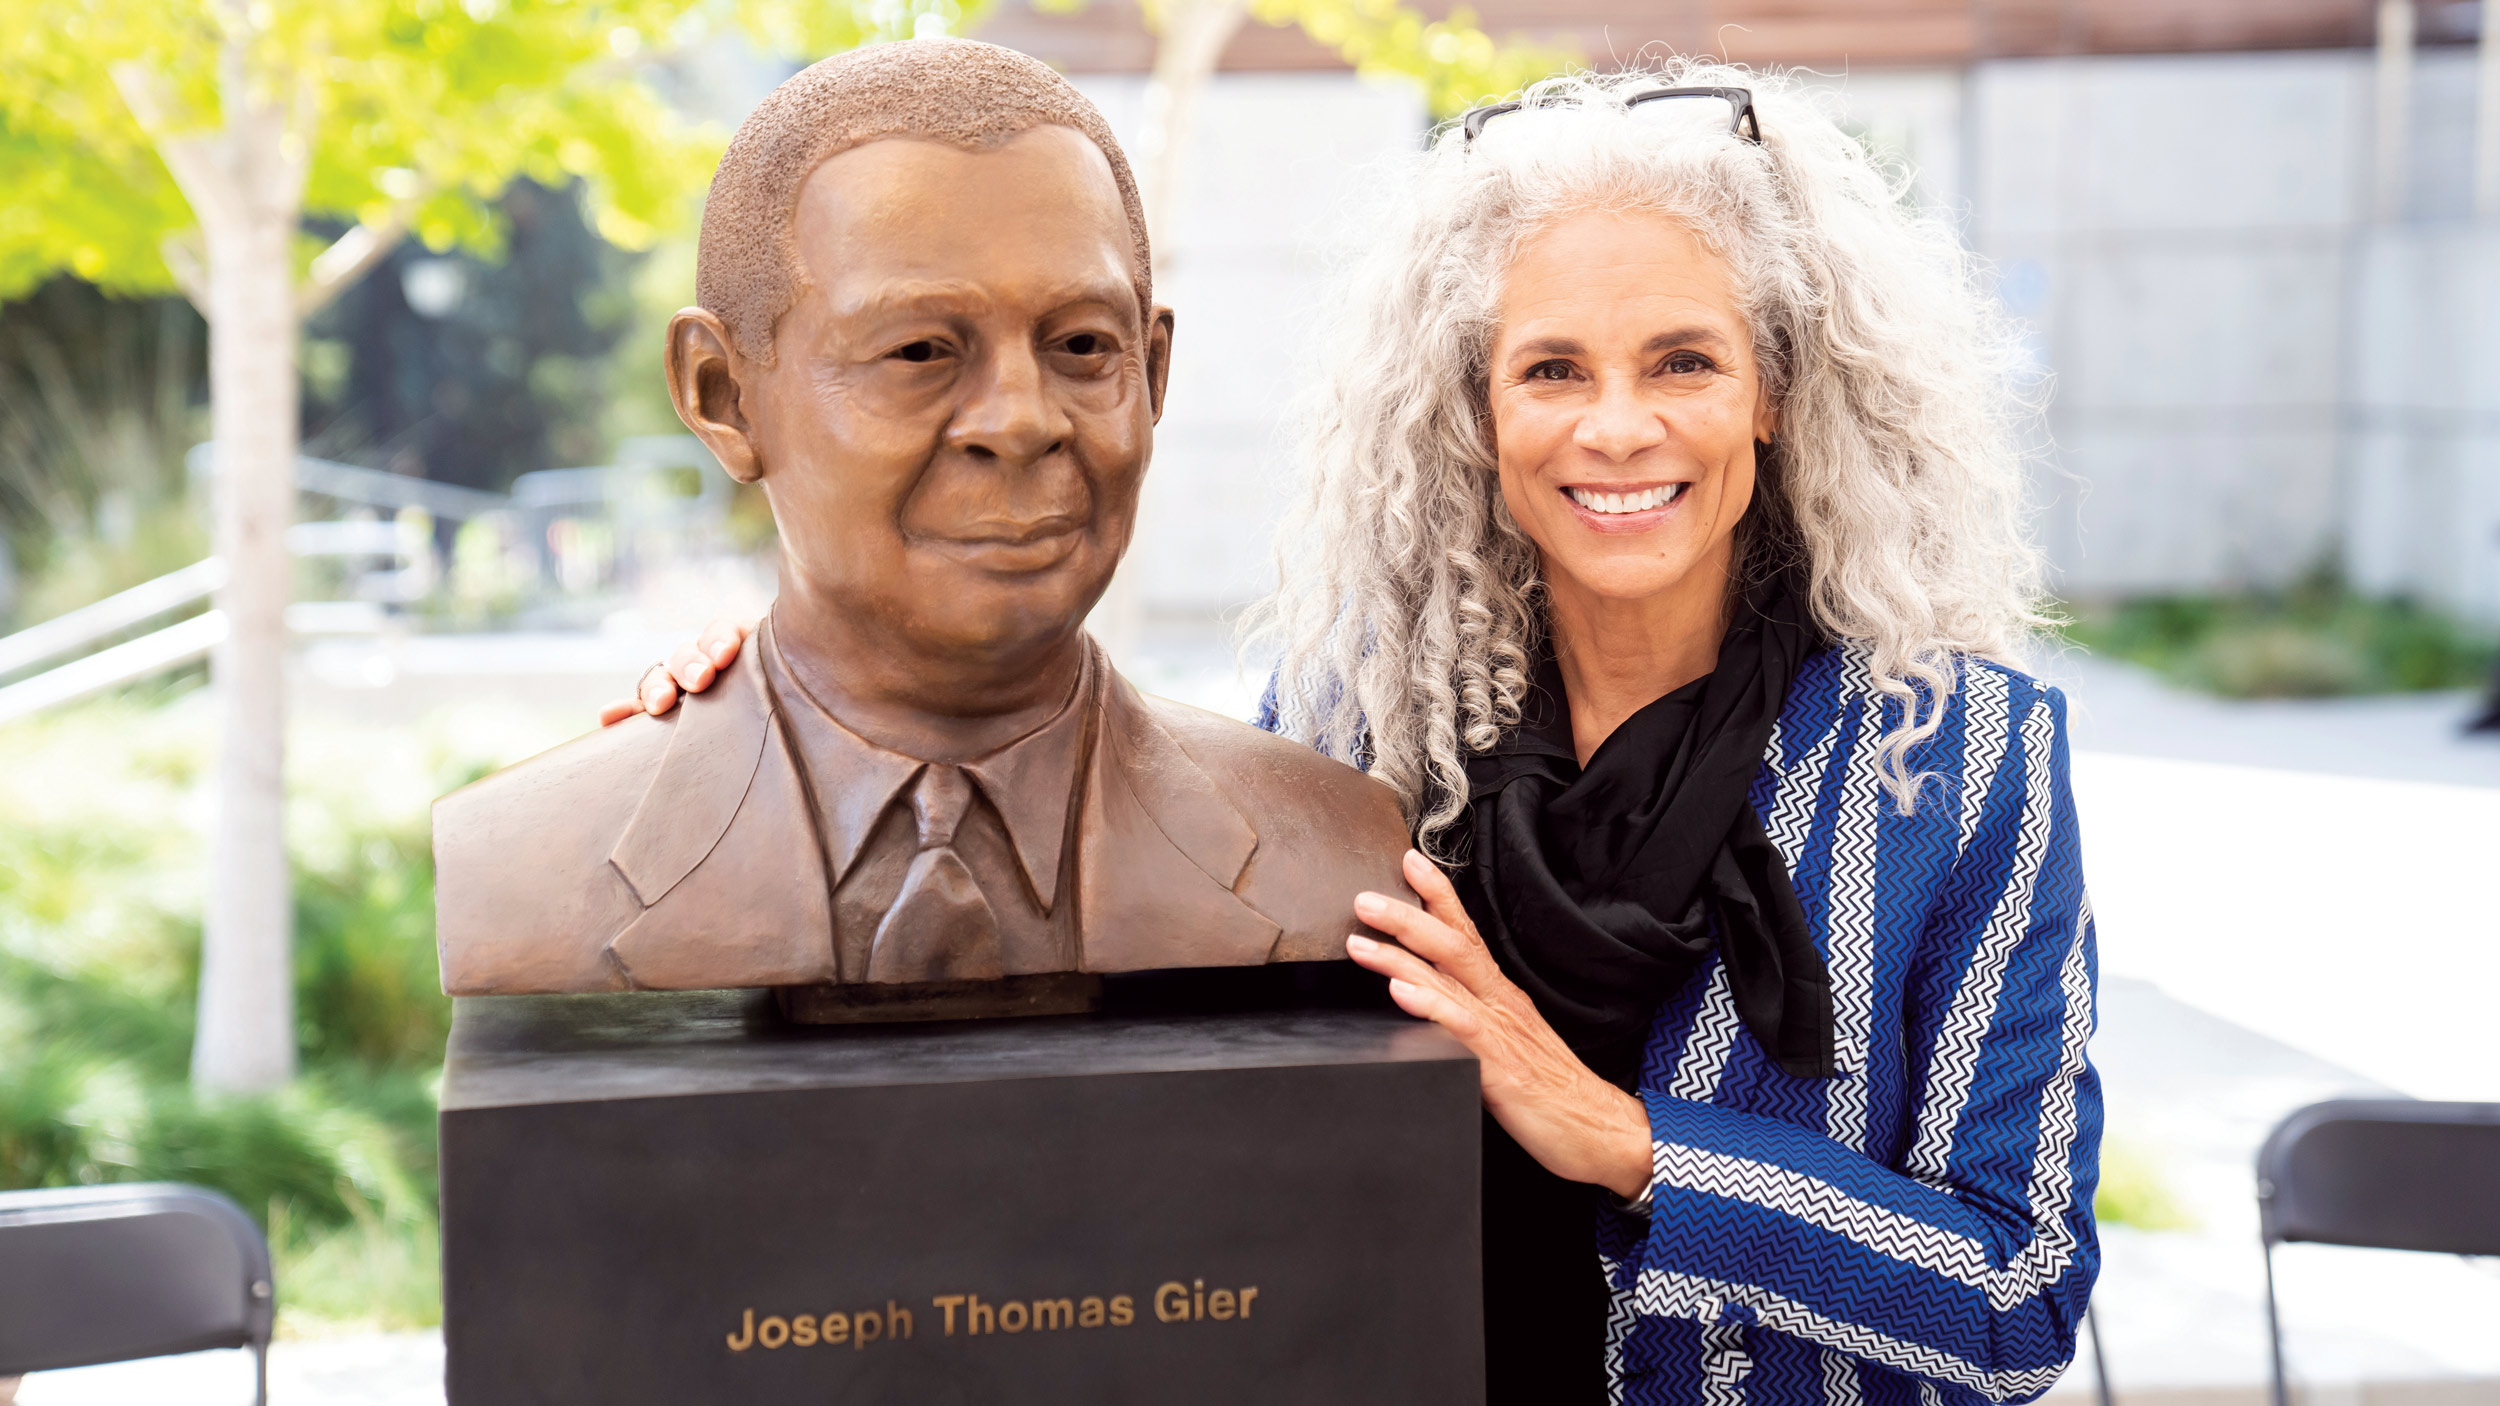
(1408, 604)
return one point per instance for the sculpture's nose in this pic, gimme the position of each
(1009, 414)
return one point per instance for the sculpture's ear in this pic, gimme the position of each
(706, 379)
(1158, 358)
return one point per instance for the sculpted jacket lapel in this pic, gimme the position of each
(1160, 850)
(723, 854)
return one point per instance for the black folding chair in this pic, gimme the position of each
(2388, 1174)
(108, 1273)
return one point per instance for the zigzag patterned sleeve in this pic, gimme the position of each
(1967, 1258)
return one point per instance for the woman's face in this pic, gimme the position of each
(1626, 404)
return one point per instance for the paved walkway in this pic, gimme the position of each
(393, 1369)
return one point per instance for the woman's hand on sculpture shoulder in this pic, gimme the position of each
(1573, 1122)
(690, 670)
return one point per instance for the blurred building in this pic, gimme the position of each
(2244, 231)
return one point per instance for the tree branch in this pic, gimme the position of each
(185, 260)
(351, 256)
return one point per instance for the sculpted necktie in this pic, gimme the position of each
(940, 927)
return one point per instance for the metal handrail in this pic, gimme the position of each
(84, 626)
(168, 648)
(378, 488)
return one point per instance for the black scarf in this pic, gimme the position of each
(1608, 886)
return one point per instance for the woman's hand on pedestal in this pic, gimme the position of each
(1574, 1123)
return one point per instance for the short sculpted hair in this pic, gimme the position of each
(966, 94)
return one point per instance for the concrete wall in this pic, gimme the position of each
(2177, 231)
(2250, 376)
(1277, 160)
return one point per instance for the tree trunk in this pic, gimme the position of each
(244, 181)
(1190, 39)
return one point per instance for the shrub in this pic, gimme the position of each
(101, 870)
(2317, 639)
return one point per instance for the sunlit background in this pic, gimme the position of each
(2256, 243)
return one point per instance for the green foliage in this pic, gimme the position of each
(100, 884)
(2317, 639)
(416, 113)
(510, 377)
(1457, 63)
(99, 398)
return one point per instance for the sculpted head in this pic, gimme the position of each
(926, 328)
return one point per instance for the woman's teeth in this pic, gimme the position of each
(1639, 502)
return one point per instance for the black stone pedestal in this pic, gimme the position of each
(684, 1201)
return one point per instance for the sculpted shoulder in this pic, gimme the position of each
(1326, 831)
(524, 896)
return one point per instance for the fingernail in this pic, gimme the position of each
(1359, 944)
(1369, 903)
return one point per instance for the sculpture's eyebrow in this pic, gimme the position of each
(953, 298)
(895, 298)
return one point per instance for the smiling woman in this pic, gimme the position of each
(1662, 549)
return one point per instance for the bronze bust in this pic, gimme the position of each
(926, 328)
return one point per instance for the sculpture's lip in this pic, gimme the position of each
(1015, 547)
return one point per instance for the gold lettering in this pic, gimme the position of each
(1201, 1301)
(1220, 1304)
(1123, 1311)
(1172, 1302)
(837, 1329)
(1246, 1296)
(979, 1318)
(1053, 1313)
(773, 1331)
(897, 1320)
(744, 1338)
(1089, 1313)
(947, 1302)
(866, 1328)
(803, 1331)
(1011, 1317)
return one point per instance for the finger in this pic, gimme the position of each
(721, 640)
(1424, 1003)
(691, 669)
(1436, 940)
(618, 711)
(1400, 965)
(1457, 951)
(659, 692)
(1439, 895)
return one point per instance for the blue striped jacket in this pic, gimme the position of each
(1918, 1229)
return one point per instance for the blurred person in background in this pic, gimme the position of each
(1662, 548)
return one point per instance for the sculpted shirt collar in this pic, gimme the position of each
(1031, 782)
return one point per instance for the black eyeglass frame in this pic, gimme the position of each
(1746, 126)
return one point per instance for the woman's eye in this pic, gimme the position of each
(923, 350)
(1550, 371)
(1689, 363)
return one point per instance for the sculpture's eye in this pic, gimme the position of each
(1088, 344)
(916, 351)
